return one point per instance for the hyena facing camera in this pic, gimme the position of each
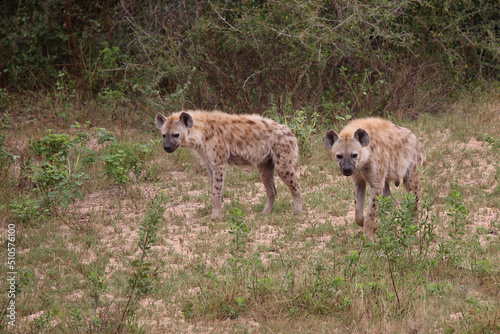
(219, 139)
(377, 152)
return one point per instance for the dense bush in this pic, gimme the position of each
(337, 57)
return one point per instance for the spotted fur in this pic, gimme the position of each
(219, 139)
(377, 152)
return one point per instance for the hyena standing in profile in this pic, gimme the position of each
(379, 152)
(219, 139)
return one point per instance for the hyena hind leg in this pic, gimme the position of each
(387, 193)
(412, 183)
(266, 171)
(288, 176)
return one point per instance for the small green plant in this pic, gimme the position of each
(104, 135)
(4, 98)
(120, 159)
(440, 289)
(186, 166)
(302, 125)
(456, 211)
(343, 119)
(53, 146)
(402, 241)
(28, 211)
(400, 237)
(187, 310)
(238, 229)
(43, 323)
(494, 142)
(6, 157)
(59, 176)
(141, 282)
(98, 287)
(65, 87)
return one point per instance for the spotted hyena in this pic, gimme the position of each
(379, 152)
(219, 139)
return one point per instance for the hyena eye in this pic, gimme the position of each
(176, 135)
(164, 136)
(354, 155)
(339, 156)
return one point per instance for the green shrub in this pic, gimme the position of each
(28, 211)
(6, 157)
(121, 159)
(335, 57)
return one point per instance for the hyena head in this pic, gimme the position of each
(348, 150)
(173, 130)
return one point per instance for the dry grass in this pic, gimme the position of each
(296, 273)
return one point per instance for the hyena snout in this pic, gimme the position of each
(347, 171)
(169, 146)
(347, 168)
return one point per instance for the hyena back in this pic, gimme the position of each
(219, 139)
(377, 152)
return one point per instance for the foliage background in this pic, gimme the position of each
(114, 236)
(330, 56)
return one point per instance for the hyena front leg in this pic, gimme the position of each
(218, 175)
(370, 226)
(266, 171)
(359, 201)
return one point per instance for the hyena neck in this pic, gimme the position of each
(365, 157)
(193, 139)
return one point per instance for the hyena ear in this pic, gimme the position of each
(330, 138)
(362, 136)
(186, 120)
(160, 120)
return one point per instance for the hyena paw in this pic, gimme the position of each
(266, 211)
(360, 221)
(370, 231)
(216, 215)
(297, 205)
